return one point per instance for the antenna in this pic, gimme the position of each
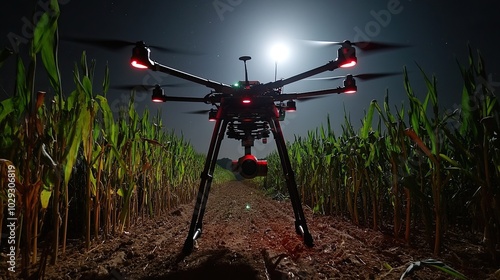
(244, 59)
(278, 53)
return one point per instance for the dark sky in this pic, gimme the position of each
(224, 30)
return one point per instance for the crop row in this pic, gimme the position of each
(421, 167)
(78, 169)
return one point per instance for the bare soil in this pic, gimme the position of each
(248, 235)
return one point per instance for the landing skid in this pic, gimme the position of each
(196, 227)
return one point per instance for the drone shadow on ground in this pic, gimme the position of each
(213, 264)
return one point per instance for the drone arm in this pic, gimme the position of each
(220, 87)
(185, 99)
(330, 66)
(304, 95)
(208, 99)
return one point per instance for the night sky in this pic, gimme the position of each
(217, 32)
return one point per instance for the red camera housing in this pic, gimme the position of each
(248, 166)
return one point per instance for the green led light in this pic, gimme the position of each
(247, 207)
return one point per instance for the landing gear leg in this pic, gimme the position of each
(195, 228)
(300, 220)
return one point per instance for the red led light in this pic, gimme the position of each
(290, 106)
(348, 64)
(136, 64)
(350, 91)
(247, 101)
(157, 100)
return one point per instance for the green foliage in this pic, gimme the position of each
(131, 166)
(434, 264)
(418, 165)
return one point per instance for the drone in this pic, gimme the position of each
(248, 111)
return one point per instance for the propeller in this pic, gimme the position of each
(364, 77)
(146, 87)
(117, 44)
(212, 113)
(303, 99)
(362, 45)
(199, 112)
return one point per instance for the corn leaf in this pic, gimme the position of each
(448, 159)
(367, 122)
(48, 54)
(87, 86)
(410, 133)
(6, 107)
(22, 96)
(40, 32)
(45, 198)
(74, 139)
(435, 264)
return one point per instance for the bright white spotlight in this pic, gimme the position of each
(279, 52)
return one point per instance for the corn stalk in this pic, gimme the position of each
(423, 160)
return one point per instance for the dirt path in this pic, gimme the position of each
(248, 235)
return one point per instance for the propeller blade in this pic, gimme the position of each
(364, 77)
(199, 112)
(362, 45)
(302, 99)
(377, 46)
(117, 44)
(322, 43)
(371, 76)
(174, 51)
(325, 78)
(109, 44)
(146, 87)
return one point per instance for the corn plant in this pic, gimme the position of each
(122, 165)
(23, 144)
(418, 166)
(476, 149)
